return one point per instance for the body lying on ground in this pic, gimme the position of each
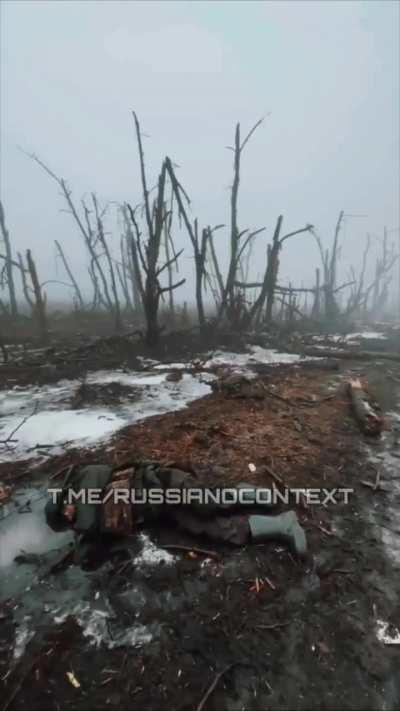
(125, 501)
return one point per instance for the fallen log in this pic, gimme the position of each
(350, 355)
(370, 421)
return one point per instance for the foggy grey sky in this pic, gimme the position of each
(327, 71)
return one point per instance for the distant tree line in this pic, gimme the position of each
(145, 274)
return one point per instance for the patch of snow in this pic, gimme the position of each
(331, 348)
(257, 355)
(95, 624)
(349, 337)
(171, 366)
(152, 555)
(366, 334)
(134, 636)
(23, 635)
(55, 425)
(56, 428)
(384, 635)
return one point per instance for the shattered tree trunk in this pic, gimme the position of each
(316, 309)
(71, 276)
(116, 307)
(149, 257)
(367, 416)
(228, 302)
(167, 228)
(331, 307)
(272, 272)
(9, 264)
(123, 272)
(89, 239)
(40, 303)
(199, 246)
(269, 284)
(217, 271)
(133, 262)
(25, 287)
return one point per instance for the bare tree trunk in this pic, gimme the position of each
(316, 310)
(125, 273)
(217, 270)
(329, 264)
(167, 226)
(124, 288)
(40, 303)
(116, 308)
(236, 250)
(199, 246)
(25, 287)
(271, 273)
(71, 276)
(133, 262)
(151, 292)
(9, 264)
(87, 233)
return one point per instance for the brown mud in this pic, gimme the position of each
(285, 634)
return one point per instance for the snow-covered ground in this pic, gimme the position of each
(51, 425)
(257, 354)
(350, 338)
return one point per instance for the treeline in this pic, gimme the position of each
(145, 274)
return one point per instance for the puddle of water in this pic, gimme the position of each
(41, 602)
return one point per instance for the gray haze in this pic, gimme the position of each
(326, 72)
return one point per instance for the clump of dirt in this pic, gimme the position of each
(90, 394)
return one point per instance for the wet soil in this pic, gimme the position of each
(303, 637)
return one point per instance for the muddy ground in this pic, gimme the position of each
(282, 634)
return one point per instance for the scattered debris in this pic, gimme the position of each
(73, 680)
(212, 687)
(191, 549)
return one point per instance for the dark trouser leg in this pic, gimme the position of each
(224, 529)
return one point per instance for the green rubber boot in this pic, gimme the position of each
(284, 527)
